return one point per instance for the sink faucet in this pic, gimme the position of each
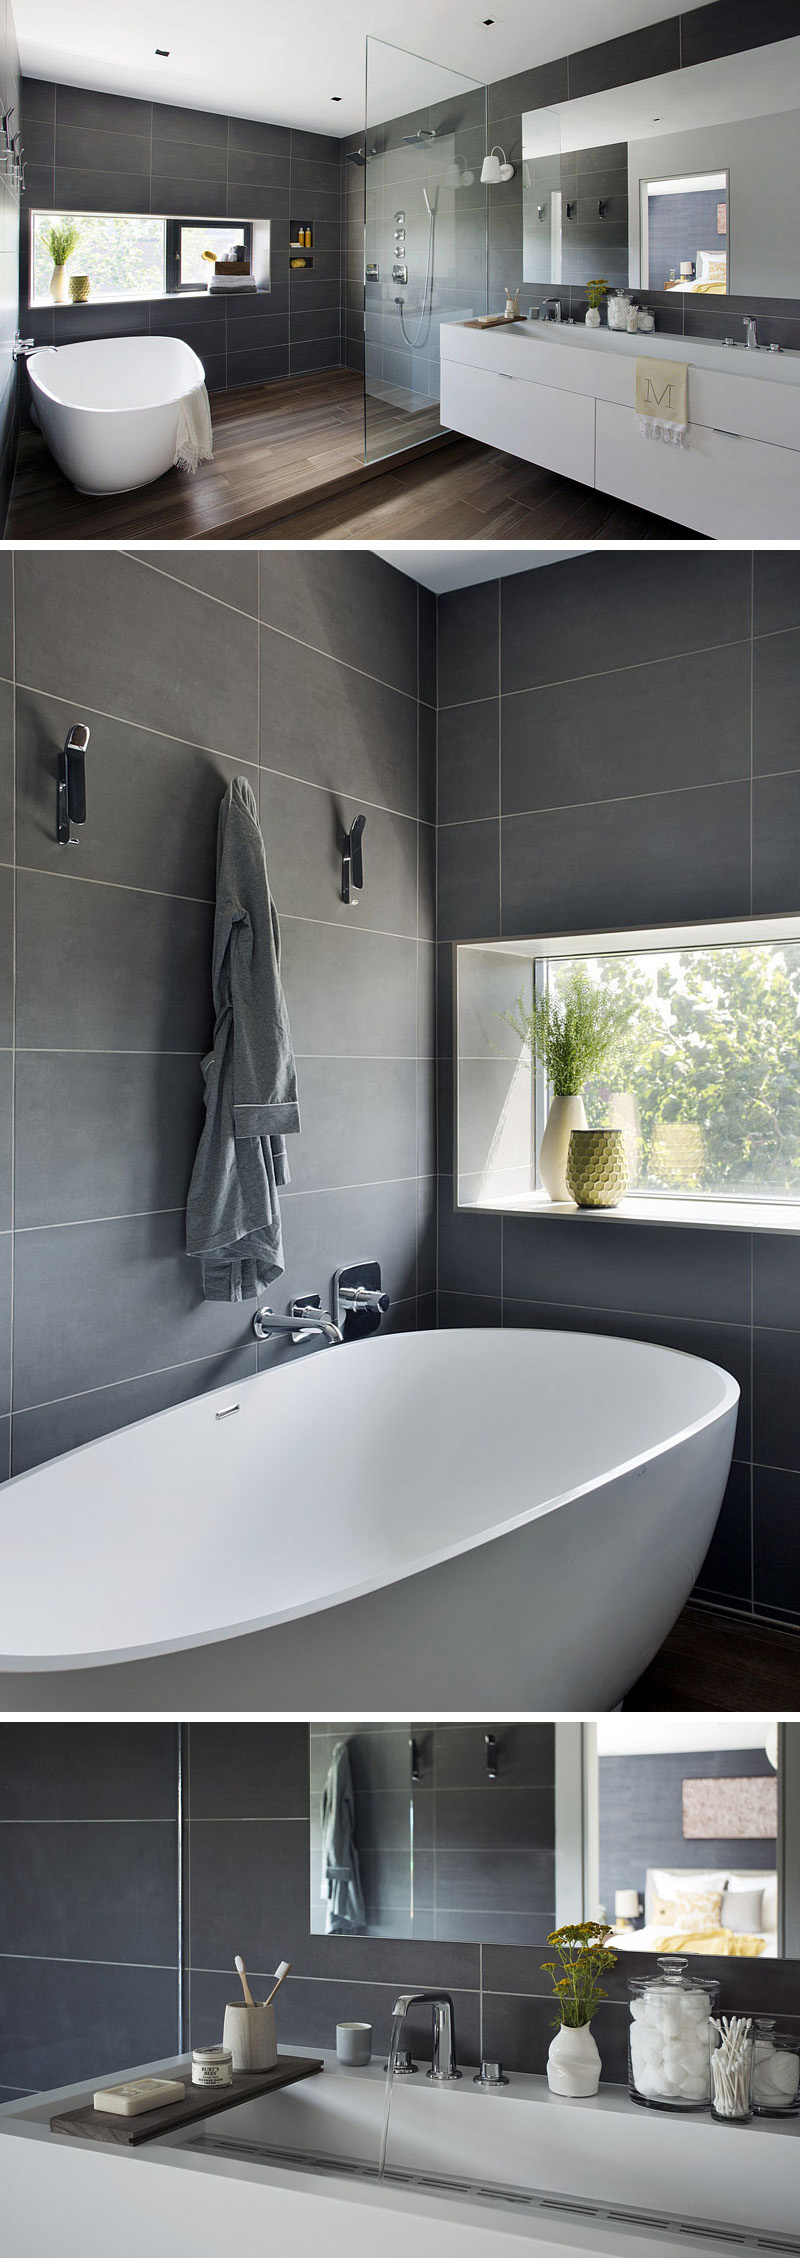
(551, 309)
(304, 1318)
(751, 327)
(443, 2041)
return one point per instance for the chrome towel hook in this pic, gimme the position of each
(352, 861)
(71, 795)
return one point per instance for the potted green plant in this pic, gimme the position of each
(571, 1031)
(60, 239)
(573, 2062)
(595, 292)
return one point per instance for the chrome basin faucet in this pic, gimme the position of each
(443, 2038)
(751, 327)
(551, 309)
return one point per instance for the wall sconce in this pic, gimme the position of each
(541, 211)
(492, 171)
(570, 211)
(602, 208)
(458, 174)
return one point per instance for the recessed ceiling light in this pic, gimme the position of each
(162, 51)
(336, 97)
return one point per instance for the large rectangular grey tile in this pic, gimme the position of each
(776, 810)
(359, 1122)
(776, 1280)
(592, 614)
(776, 1545)
(172, 121)
(468, 643)
(5, 1338)
(51, 1428)
(336, 726)
(671, 1271)
(152, 803)
(726, 26)
(776, 1398)
(96, 112)
(468, 881)
(230, 576)
(266, 1896)
(469, 762)
(96, 1771)
(155, 654)
(6, 614)
(136, 1304)
(365, 612)
(6, 956)
(6, 1136)
(305, 829)
(134, 969)
(776, 694)
(349, 993)
(567, 744)
(644, 53)
(102, 149)
(469, 1247)
(158, 1099)
(776, 590)
(727, 1571)
(248, 1771)
(102, 1890)
(321, 1230)
(674, 855)
(65, 2020)
(525, 1757)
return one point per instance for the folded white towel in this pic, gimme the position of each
(231, 282)
(194, 441)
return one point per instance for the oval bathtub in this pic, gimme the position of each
(109, 408)
(443, 1520)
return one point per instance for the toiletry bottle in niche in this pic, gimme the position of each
(308, 238)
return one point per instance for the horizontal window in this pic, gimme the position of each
(687, 1042)
(129, 256)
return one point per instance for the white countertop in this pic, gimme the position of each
(700, 352)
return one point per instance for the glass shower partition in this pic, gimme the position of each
(424, 244)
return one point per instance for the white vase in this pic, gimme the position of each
(59, 286)
(565, 1115)
(573, 2063)
(592, 317)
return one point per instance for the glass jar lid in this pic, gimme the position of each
(672, 1978)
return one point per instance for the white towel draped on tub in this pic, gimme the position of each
(662, 397)
(194, 442)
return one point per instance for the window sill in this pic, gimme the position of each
(154, 298)
(702, 1215)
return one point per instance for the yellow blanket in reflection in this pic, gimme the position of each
(716, 1944)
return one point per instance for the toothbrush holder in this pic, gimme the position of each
(250, 2034)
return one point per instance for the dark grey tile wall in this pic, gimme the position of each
(483, 1849)
(638, 782)
(301, 672)
(723, 28)
(104, 152)
(9, 267)
(87, 1791)
(641, 1816)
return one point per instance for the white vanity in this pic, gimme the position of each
(563, 396)
(481, 2170)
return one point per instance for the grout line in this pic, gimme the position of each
(13, 1277)
(601, 673)
(147, 729)
(599, 1309)
(133, 557)
(614, 799)
(76, 1960)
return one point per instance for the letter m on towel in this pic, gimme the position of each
(658, 399)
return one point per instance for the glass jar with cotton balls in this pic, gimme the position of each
(672, 2036)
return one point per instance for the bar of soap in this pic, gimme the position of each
(139, 2094)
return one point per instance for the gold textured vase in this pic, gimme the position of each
(79, 288)
(597, 1167)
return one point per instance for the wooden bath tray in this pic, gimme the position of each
(199, 2101)
(494, 321)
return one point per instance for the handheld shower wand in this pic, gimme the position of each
(414, 342)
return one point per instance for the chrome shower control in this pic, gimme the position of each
(404, 2067)
(490, 2074)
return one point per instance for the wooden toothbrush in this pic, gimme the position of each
(242, 1972)
(281, 1974)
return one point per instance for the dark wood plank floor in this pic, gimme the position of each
(288, 465)
(717, 1662)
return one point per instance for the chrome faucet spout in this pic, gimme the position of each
(443, 2069)
(301, 1322)
(751, 326)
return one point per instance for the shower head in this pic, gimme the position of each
(356, 157)
(422, 139)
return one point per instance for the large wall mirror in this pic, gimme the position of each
(688, 183)
(684, 1831)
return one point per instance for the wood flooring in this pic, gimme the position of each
(715, 1661)
(288, 465)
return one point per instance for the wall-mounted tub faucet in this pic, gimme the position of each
(443, 2037)
(305, 1318)
(358, 1300)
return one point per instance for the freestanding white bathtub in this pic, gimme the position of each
(451, 1520)
(109, 408)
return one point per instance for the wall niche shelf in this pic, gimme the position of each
(301, 254)
(690, 1159)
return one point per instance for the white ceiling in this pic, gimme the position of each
(286, 63)
(441, 569)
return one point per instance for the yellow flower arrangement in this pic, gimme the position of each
(582, 1948)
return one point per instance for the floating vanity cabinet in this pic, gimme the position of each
(564, 397)
(537, 421)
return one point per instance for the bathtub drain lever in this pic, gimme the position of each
(71, 799)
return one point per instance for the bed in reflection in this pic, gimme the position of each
(720, 1912)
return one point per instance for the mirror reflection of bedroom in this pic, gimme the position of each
(684, 1838)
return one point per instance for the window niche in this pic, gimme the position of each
(704, 1080)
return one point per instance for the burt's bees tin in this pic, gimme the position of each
(212, 2066)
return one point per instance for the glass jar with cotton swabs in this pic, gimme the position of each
(732, 2070)
(671, 2038)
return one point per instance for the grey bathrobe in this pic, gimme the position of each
(233, 1220)
(341, 1873)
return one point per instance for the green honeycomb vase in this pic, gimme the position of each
(597, 1167)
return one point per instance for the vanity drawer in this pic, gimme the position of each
(722, 485)
(542, 425)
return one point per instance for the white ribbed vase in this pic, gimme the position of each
(565, 1115)
(573, 2063)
